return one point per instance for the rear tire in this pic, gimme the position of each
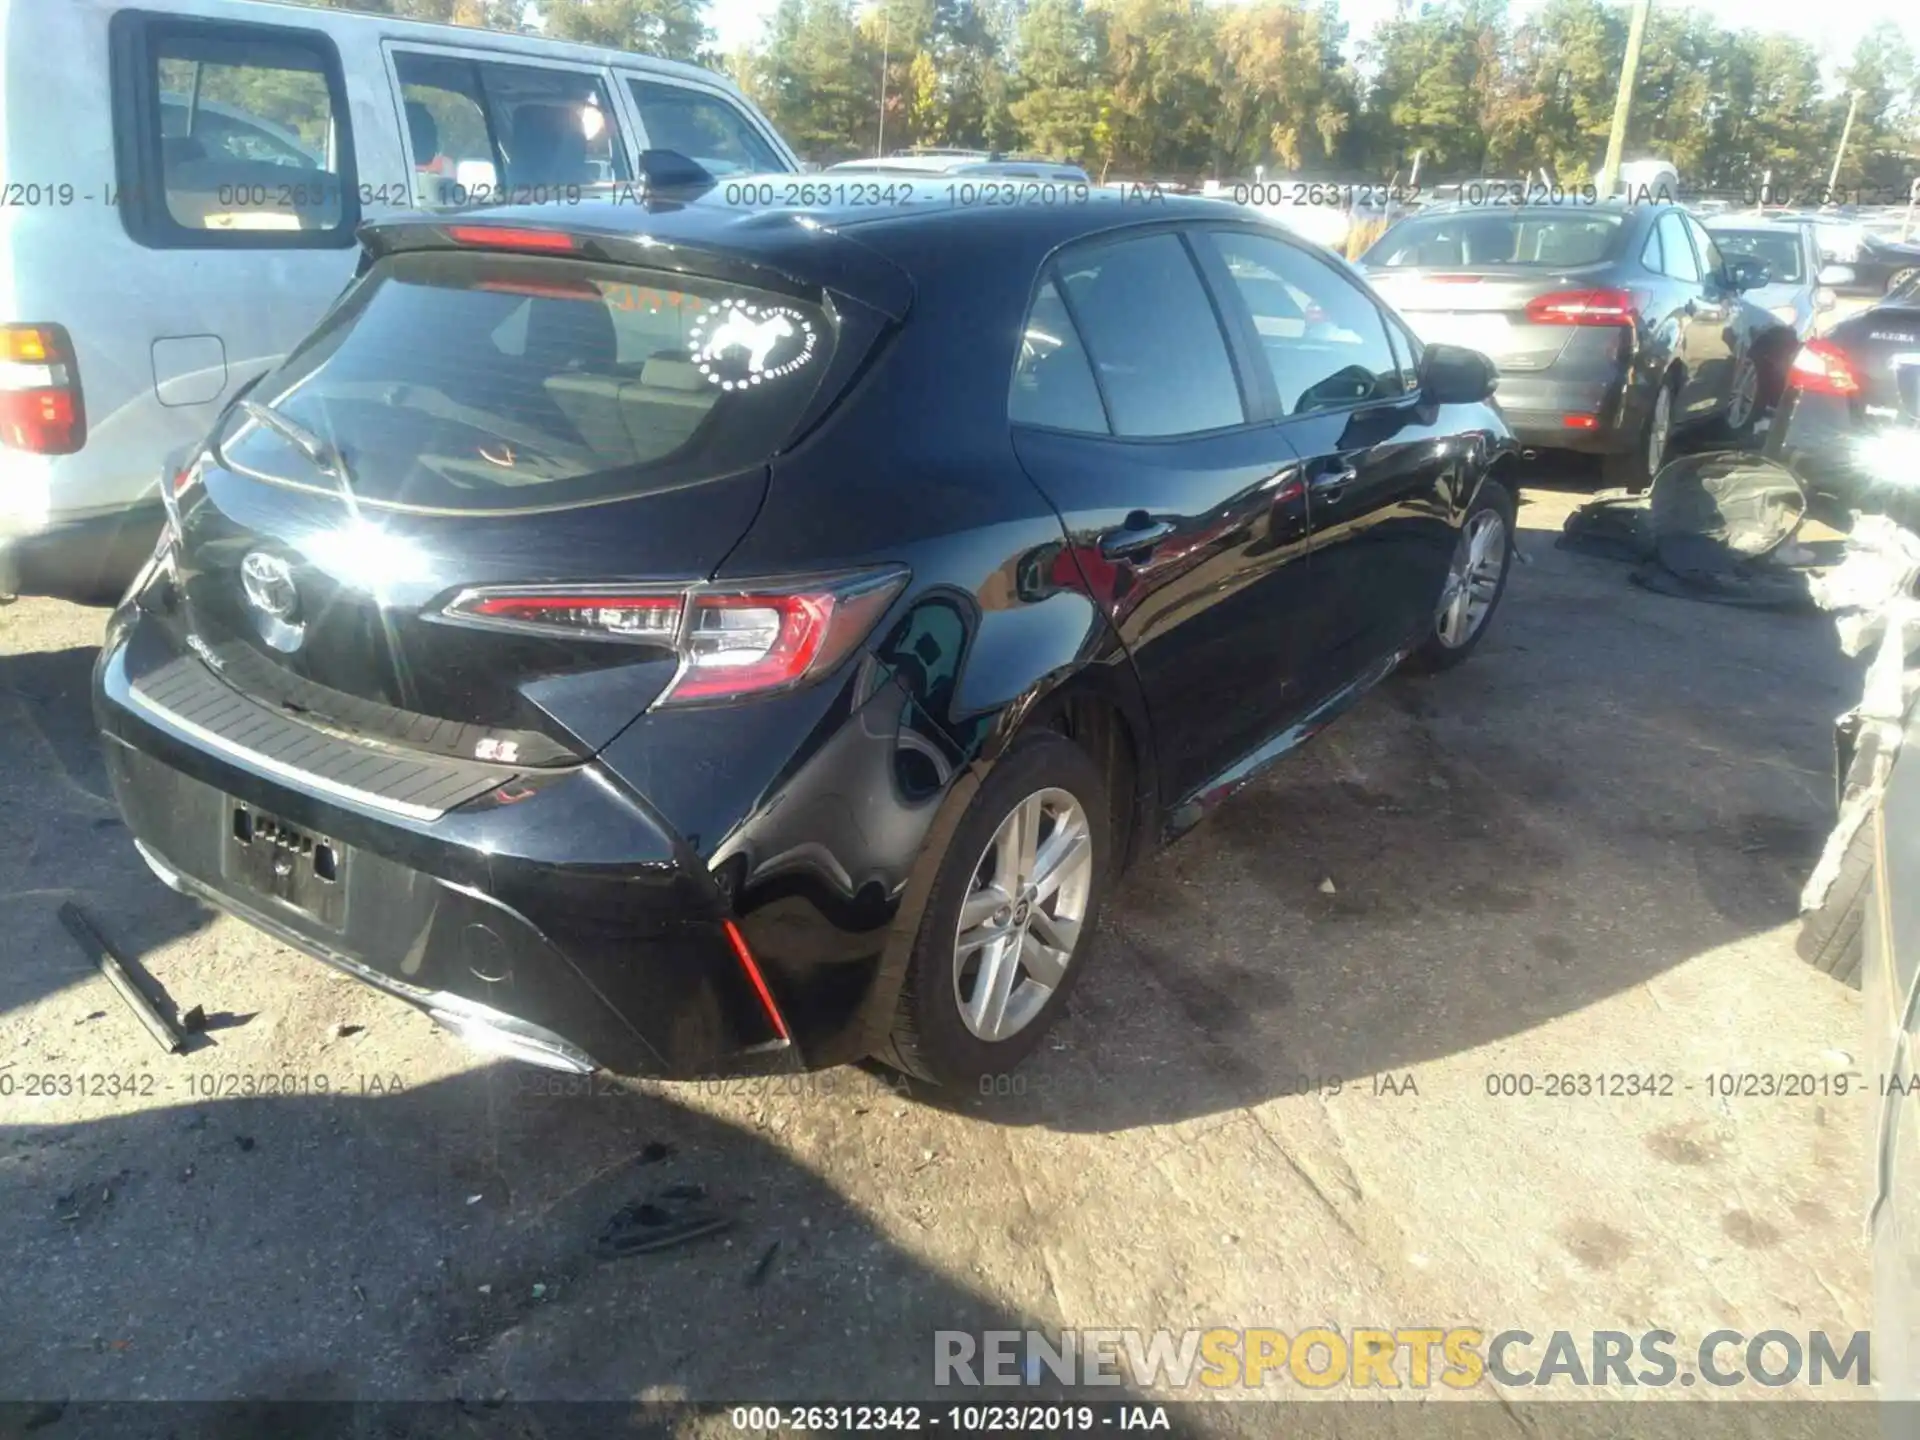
(943, 1009)
(1476, 582)
(1634, 468)
(1833, 938)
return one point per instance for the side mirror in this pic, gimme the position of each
(1455, 375)
(1836, 275)
(1746, 273)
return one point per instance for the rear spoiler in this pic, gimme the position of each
(779, 250)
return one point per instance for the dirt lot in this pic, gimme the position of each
(1579, 853)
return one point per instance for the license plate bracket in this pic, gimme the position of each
(301, 869)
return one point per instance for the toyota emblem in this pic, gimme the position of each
(268, 581)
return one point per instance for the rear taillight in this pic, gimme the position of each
(732, 641)
(41, 409)
(1822, 368)
(1582, 307)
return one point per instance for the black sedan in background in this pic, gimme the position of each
(692, 636)
(1615, 326)
(1846, 424)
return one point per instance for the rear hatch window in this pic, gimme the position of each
(1469, 240)
(482, 383)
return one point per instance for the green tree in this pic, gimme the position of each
(1285, 98)
(817, 77)
(1058, 83)
(670, 29)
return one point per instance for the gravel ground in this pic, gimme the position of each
(1577, 854)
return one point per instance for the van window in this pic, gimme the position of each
(482, 131)
(704, 128)
(235, 135)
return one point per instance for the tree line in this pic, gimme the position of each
(1184, 89)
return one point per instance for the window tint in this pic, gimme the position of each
(1475, 237)
(1678, 251)
(1325, 342)
(1710, 259)
(1155, 343)
(246, 132)
(467, 381)
(1053, 380)
(483, 131)
(702, 127)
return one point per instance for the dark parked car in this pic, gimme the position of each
(1615, 326)
(691, 636)
(1845, 422)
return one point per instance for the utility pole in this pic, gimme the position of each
(1833, 179)
(1623, 99)
(886, 39)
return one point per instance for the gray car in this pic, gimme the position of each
(1799, 288)
(1614, 325)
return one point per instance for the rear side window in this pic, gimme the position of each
(1470, 238)
(465, 382)
(1150, 329)
(1053, 381)
(704, 128)
(230, 135)
(484, 131)
(1677, 249)
(1324, 341)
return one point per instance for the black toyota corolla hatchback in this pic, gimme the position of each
(693, 637)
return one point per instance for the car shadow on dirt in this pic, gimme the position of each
(63, 839)
(474, 1236)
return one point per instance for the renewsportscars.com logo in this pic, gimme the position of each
(1417, 1358)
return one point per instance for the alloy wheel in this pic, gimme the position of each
(1473, 581)
(1657, 431)
(1020, 924)
(1746, 392)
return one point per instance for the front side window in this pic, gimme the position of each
(1324, 341)
(704, 128)
(1779, 250)
(1710, 259)
(1150, 329)
(484, 131)
(463, 381)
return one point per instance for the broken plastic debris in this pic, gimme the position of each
(1326, 887)
(474, 1199)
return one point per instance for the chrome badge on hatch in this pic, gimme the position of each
(274, 598)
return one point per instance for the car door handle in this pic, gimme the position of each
(1134, 539)
(1329, 485)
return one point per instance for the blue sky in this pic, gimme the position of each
(1833, 31)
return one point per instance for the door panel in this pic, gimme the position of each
(1189, 526)
(1380, 481)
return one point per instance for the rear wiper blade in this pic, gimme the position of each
(323, 454)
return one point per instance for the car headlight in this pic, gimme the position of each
(1785, 314)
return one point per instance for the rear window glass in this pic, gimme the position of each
(1779, 252)
(1552, 241)
(482, 383)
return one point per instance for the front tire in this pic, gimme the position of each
(1009, 920)
(1476, 581)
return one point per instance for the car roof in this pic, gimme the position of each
(877, 253)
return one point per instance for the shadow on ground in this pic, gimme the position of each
(63, 839)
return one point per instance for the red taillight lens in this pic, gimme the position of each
(41, 409)
(1582, 307)
(1822, 368)
(731, 642)
(507, 237)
